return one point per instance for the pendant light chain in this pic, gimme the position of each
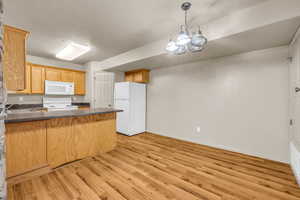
(185, 20)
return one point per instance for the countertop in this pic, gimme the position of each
(35, 116)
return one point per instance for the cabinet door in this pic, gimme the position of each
(67, 76)
(129, 77)
(94, 134)
(53, 74)
(105, 135)
(14, 58)
(139, 76)
(84, 137)
(60, 142)
(79, 79)
(27, 81)
(25, 147)
(37, 79)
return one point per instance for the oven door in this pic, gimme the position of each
(59, 88)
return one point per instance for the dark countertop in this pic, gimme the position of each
(26, 106)
(35, 116)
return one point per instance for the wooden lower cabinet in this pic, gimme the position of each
(60, 142)
(50, 143)
(25, 147)
(75, 138)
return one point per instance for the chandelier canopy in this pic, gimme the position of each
(189, 38)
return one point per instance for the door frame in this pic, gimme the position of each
(292, 85)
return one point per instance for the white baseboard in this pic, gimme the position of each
(219, 147)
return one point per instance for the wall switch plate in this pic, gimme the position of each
(198, 129)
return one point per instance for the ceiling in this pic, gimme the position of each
(109, 27)
(281, 32)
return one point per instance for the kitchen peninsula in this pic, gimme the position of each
(42, 141)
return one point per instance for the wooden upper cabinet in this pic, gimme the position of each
(14, 58)
(37, 74)
(27, 89)
(79, 80)
(53, 74)
(139, 76)
(37, 79)
(129, 77)
(67, 76)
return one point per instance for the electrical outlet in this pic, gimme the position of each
(21, 98)
(198, 129)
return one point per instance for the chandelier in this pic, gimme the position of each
(188, 39)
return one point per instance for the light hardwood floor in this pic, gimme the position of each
(151, 167)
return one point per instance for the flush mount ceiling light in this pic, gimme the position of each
(72, 51)
(188, 38)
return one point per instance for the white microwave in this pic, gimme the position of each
(59, 88)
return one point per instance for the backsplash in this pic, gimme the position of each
(36, 99)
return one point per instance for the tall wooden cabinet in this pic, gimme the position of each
(14, 58)
(27, 89)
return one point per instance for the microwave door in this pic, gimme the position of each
(59, 88)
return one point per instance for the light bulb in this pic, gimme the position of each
(183, 39)
(198, 39)
(180, 50)
(171, 46)
(193, 48)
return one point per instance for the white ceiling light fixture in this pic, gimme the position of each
(185, 41)
(72, 51)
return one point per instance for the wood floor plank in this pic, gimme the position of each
(152, 167)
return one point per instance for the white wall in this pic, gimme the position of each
(240, 102)
(294, 78)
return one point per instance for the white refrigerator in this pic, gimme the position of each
(131, 98)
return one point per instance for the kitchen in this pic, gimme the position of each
(155, 100)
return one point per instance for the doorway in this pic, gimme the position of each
(104, 89)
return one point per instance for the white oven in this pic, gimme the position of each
(59, 88)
